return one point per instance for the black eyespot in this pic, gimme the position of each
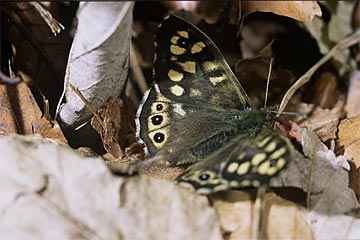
(273, 163)
(204, 177)
(182, 42)
(159, 107)
(157, 119)
(159, 137)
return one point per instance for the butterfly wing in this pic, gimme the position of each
(189, 111)
(246, 161)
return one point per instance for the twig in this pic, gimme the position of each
(88, 105)
(8, 80)
(257, 213)
(345, 43)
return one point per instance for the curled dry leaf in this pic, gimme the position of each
(21, 114)
(348, 142)
(97, 66)
(299, 10)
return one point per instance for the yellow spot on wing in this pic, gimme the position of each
(175, 75)
(270, 147)
(163, 131)
(243, 168)
(174, 39)
(183, 34)
(258, 158)
(278, 153)
(177, 50)
(177, 90)
(255, 183)
(216, 80)
(195, 49)
(188, 66)
(263, 142)
(208, 65)
(232, 167)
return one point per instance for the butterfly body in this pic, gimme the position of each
(197, 112)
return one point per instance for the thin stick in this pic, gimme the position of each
(135, 67)
(257, 213)
(345, 43)
(88, 105)
(267, 83)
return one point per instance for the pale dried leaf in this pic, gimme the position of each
(349, 143)
(299, 10)
(98, 63)
(50, 192)
(353, 96)
(321, 121)
(156, 209)
(236, 211)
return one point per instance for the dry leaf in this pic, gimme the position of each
(348, 142)
(236, 211)
(109, 126)
(49, 191)
(39, 56)
(323, 122)
(21, 114)
(155, 209)
(353, 96)
(299, 10)
(97, 66)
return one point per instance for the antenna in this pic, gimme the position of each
(267, 83)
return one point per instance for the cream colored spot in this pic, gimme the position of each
(174, 39)
(264, 168)
(208, 65)
(201, 44)
(175, 75)
(258, 158)
(243, 168)
(194, 92)
(245, 183)
(232, 167)
(183, 34)
(217, 80)
(177, 50)
(173, 58)
(278, 153)
(263, 142)
(270, 147)
(178, 109)
(255, 183)
(177, 90)
(234, 184)
(188, 66)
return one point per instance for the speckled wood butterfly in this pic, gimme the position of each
(197, 113)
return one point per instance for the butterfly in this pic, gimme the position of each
(197, 114)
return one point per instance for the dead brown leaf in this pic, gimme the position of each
(353, 96)
(322, 121)
(22, 115)
(299, 10)
(39, 57)
(253, 74)
(109, 126)
(348, 142)
(236, 215)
